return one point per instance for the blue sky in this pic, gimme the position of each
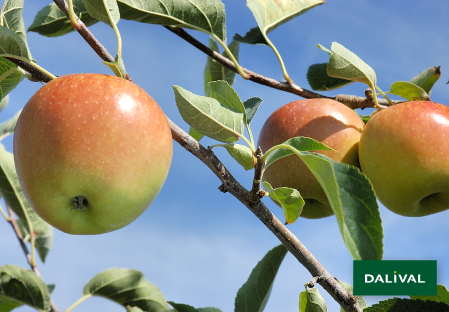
(200, 245)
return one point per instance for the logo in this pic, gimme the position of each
(395, 277)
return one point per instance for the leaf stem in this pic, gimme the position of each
(278, 55)
(31, 63)
(78, 302)
(232, 57)
(72, 16)
(385, 96)
(8, 218)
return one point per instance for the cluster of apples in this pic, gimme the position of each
(402, 149)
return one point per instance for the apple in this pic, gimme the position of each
(324, 120)
(91, 152)
(404, 152)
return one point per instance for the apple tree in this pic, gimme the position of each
(91, 151)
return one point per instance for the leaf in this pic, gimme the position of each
(134, 309)
(409, 91)
(253, 36)
(251, 106)
(311, 300)
(180, 307)
(51, 22)
(350, 288)
(273, 13)
(11, 18)
(290, 200)
(302, 144)
(14, 198)
(8, 126)
(442, 295)
(10, 77)
(215, 71)
(407, 305)
(254, 294)
(195, 134)
(365, 118)
(208, 116)
(346, 65)
(319, 80)
(427, 78)
(207, 16)
(4, 101)
(225, 94)
(12, 43)
(128, 288)
(106, 11)
(19, 286)
(350, 195)
(8, 305)
(242, 154)
(43, 242)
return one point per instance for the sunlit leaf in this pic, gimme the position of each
(10, 77)
(289, 199)
(254, 294)
(195, 134)
(427, 78)
(118, 67)
(408, 91)
(12, 43)
(103, 10)
(311, 300)
(208, 116)
(11, 18)
(242, 154)
(442, 295)
(406, 305)
(128, 288)
(251, 106)
(207, 16)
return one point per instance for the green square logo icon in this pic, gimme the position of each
(395, 277)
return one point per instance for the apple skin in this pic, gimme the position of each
(324, 120)
(96, 136)
(404, 152)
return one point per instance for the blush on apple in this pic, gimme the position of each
(324, 120)
(91, 152)
(404, 152)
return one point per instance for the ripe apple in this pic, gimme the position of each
(91, 152)
(324, 120)
(404, 152)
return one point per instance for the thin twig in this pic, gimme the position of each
(35, 73)
(12, 220)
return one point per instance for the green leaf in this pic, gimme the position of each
(134, 309)
(8, 305)
(215, 71)
(4, 101)
(208, 116)
(253, 36)
(254, 294)
(8, 126)
(407, 305)
(242, 154)
(290, 200)
(319, 80)
(346, 65)
(195, 134)
(350, 195)
(207, 16)
(226, 95)
(106, 11)
(273, 13)
(11, 18)
(128, 288)
(302, 144)
(251, 106)
(118, 67)
(442, 295)
(12, 43)
(311, 300)
(14, 198)
(180, 307)
(10, 77)
(19, 286)
(409, 91)
(365, 118)
(43, 242)
(51, 22)
(350, 288)
(427, 78)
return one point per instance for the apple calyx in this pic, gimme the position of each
(80, 202)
